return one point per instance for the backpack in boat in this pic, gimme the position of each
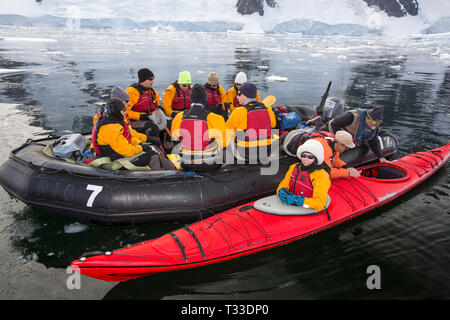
(286, 120)
(301, 138)
(159, 160)
(69, 145)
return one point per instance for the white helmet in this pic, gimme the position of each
(241, 78)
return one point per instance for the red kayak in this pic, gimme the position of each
(263, 224)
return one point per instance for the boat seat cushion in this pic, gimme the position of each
(273, 205)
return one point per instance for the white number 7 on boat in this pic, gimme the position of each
(96, 190)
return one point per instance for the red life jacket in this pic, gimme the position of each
(182, 99)
(195, 142)
(258, 122)
(147, 99)
(236, 103)
(98, 124)
(300, 183)
(212, 96)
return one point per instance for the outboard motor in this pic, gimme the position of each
(333, 107)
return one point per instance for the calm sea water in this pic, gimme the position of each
(64, 73)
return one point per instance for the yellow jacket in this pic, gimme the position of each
(112, 135)
(136, 137)
(134, 98)
(232, 93)
(320, 179)
(238, 122)
(168, 96)
(216, 128)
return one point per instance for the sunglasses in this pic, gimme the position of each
(185, 85)
(375, 123)
(309, 156)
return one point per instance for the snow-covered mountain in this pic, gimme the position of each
(346, 17)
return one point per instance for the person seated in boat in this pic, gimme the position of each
(333, 146)
(306, 183)
(216, 95)
(232, 93)
(119, 93)
(112, 137)
(251, 125)
(177, 96)
(143, 102)
(363, 125)
(202, 134)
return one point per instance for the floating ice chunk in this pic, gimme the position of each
(75, 228)
(27, 39)
(397, 67)
(4, 72)
(274, 78)
(341, 57)
(263, 67)
(445, 57)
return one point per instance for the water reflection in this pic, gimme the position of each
(253, 63)
(56, 241)
(414, 106)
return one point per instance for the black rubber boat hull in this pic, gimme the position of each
(123, 197)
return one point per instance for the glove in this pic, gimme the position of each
(299, 201)
(153, 140)
(144, 117)
(173, 114)
(282, 194)
(294, 200)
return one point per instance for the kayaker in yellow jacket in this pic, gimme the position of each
(306, 183)
(202, 134)
(232, 93)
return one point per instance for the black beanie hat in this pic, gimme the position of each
(376, 114)
(198, 94)
(144, 74)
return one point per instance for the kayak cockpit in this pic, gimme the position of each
(273, 205)
(384, 172)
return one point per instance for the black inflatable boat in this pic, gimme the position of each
(123, 197)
